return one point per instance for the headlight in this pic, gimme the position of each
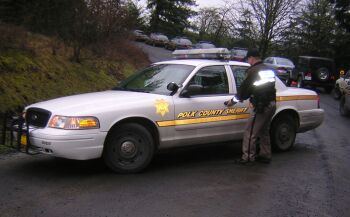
(74, 123)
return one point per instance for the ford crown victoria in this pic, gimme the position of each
(169, 104)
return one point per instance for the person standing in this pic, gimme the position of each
(259, 88)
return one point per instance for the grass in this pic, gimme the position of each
(35, 68)
(31, 72)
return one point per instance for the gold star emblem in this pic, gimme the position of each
(162, 107)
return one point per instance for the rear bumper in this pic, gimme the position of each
(319, 84)
(310, 119)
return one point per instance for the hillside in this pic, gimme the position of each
(34, 67)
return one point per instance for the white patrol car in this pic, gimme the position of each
(169, 104)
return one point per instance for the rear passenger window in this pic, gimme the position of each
(239, 72)
(213, 79)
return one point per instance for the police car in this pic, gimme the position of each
(169, 104)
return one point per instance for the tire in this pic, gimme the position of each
(336, 93)
(288, 81)
(342, 109)
(129, 148)
(322, 74)
(283, 133)
(328, 89)
(300, 82)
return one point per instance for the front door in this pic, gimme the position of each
(203, 117)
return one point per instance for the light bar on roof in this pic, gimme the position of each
(212, 53)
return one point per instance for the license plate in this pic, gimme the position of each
(23, 139)
(308, 78)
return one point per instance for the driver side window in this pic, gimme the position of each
(213, 80)
(239, 72)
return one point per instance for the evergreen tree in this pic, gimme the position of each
(318, 28)
(170, 16)
(342, 12)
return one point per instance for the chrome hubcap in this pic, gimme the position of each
(128, 149)
(323, 75)
(284, 135)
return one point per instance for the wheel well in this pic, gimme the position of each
(149, 125)
(289, 113)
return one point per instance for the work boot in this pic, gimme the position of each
(242, 161)
(262, 159)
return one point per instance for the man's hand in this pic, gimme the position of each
(229, 103)
(232, 101)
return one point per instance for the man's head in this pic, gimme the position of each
(252, 56)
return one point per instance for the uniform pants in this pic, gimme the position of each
(258, 127)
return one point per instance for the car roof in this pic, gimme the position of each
(198, 62)
(311, 57)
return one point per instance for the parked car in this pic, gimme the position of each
(179, 43)
(344, 106)
(238, 53)
(169, 104)
(157, 39)
(283, 67)
(341, 85)
(204, 45)
(315, 72)
(139, 35)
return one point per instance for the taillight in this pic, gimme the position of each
(308, 74)
(332, 77)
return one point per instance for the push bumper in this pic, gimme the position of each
(70, 144)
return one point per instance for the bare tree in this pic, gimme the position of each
(270, 17)
(212, 22)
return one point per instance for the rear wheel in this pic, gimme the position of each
(129, 148)
(283, 133)
(328, 89)
(342, 108)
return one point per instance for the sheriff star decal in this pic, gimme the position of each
(162, 107)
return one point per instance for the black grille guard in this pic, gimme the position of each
(21, 128)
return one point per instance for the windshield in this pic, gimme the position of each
(239, 53)
(282, 61)
(206, 45)
(185, 41)
(155, 79)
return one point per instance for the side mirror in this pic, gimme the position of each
(192, 89)
(173, 87)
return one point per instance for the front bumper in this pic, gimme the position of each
(70, 144)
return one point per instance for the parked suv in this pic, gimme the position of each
(315, 72)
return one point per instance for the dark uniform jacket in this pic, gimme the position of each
(260, 96)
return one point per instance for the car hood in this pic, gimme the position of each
(90, 103)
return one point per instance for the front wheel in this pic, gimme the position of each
(129, 148)
(342, 108)
(283, 133)
(336, 93)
